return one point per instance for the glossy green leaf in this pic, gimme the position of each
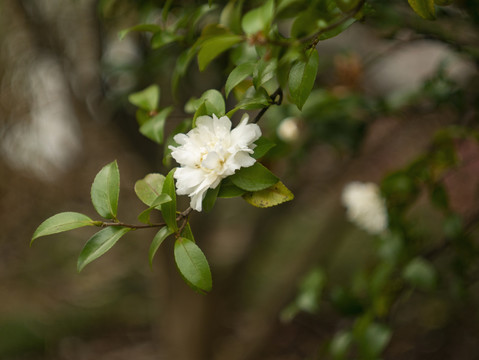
(160, 236)
(229, 190)
(420, 273)
(168, 209)
(153, 129)
(162, 38)
(264, 72)
(146, 99)
(302, 77)
(272, 196)
(214, 46)
(238, 74)
(337, 30)
(99, 244)
(62, 222)
(210, 199)
(258, 19)
(193, 265)
(254, 178)
(263, 145)
(201, 111)
(424, 8)
(141, 27)
(211, 102)
(105, 191)
(258, 101)
(187, 233)
(145, 215)
(149, 188)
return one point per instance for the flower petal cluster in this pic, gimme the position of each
(365, 206)
(210, 152)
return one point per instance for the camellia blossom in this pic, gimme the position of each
(210, 152)
(365, 206)
(288, 130)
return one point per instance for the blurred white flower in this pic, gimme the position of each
(288, 130)
(365, 206)
(210, 152)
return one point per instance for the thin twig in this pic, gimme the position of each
(131, 226)
(276, 99)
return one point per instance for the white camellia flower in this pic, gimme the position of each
(365, 206)
(210, 152)
(288, 130)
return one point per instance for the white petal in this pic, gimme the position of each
(244, 159)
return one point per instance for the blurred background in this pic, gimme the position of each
(288, 279)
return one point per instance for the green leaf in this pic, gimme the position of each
(99, 244)
(214, 46)
(141, 27)
(420, 273)
(210, 199)
(192, 265)
(162, 38)
(187, 233)
(211, 102)
(62, 222)
(264, 71)
(165, 10)
(272, 196)
(374, 340)
(337, 30)
(231, 15)
(258, 19)
(201, 111)
(160, 236)
(238, 74)
(183, 127)
(149, 188)
(105, 191)
(347, 5)
(302, 77)
(259, 100)
(146, 99)
(263, 145)
(229, 190)
(153, 129)
(254, 178)
(181, 67)
(168, 209)
(144, 216)
(340, 344)
(424, 8)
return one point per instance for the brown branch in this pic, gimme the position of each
(182, 216)
(276, 99)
